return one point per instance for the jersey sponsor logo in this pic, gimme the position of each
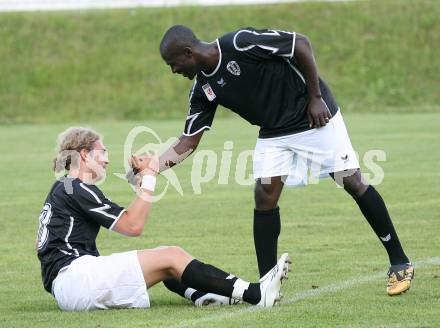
(208, 92)
(233, 68)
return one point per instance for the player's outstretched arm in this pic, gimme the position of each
(133, 220)
(318, 113)
(178, 152)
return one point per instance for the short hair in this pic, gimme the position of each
(178, 36)
(70, 143)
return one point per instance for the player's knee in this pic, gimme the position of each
(355, 186)
(178, 251)
(177, 255)
(172, 252)
(170, 256)
(265, 197)
(161, 247)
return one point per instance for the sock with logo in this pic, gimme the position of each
(267, 226)
(209, 279)
(373, 208)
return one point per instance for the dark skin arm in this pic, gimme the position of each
(184, 147)
(318, 112)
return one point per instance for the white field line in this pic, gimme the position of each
(54, 5)
(332, 288)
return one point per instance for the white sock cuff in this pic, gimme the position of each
(240, 287)
(189, 292)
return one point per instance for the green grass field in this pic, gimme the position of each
(331, 245)
(105, 64)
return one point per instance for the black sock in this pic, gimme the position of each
(376, 213)
(267, 226)
(209, 279)
(177, 287)
(252, 295)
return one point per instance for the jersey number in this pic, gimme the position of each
(43, 232)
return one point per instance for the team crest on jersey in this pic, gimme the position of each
(233, 68)
(208, 92)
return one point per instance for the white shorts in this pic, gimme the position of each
(103, 282)
(321, 151)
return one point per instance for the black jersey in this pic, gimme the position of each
(69, 223)
(257, 78)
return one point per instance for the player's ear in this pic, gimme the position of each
(188, 51)
(83, 154)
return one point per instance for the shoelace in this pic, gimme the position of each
(274, 272)
(396, 275)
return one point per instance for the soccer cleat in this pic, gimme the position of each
(270, 283)
(211, 299)
(399, 278)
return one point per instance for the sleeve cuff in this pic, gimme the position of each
(206, 127)
(293, 45)
(117, 219)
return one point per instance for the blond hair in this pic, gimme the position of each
(70, 143)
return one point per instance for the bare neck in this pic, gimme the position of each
(209, 56)
(84, 175)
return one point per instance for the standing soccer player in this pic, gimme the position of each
(81, 279)
(270, 78)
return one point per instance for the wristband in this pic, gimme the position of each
(148, 182)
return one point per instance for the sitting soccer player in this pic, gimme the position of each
(80, 279)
